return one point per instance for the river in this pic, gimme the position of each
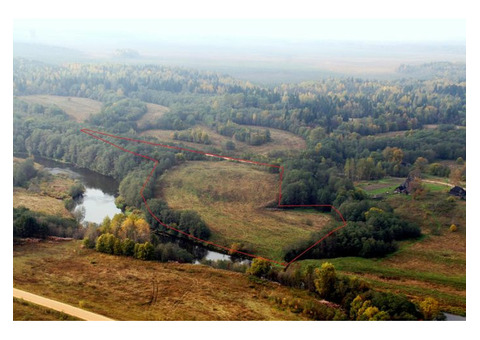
(99, 201)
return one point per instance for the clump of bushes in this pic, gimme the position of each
(27, 223)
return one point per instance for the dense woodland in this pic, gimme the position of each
(345, 122)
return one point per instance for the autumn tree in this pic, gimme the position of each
(430, 308)
(259, 267)
(326, 281)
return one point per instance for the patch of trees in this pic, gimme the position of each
(244, 134)
(23, 172)
(131, 236)
(188, 221)
(194, 135)
(119, 116)
(370, 232)
(27, 223)
(355, 298)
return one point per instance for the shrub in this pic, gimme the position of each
(76, 190)
(430, 309)
(259, 267)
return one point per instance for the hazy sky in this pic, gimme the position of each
(72, 32)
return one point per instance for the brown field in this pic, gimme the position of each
(128, 289)
(231, 198)
(41, 203)
(154, 112)
(281, 140)
(78, 108)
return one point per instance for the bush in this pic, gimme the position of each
(259, 267)
(165, 252)
(23, 172)
(76, 190)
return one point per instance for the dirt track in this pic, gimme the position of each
(59, 306)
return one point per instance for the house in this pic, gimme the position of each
(458, 192)
(406, 187)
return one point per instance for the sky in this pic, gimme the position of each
(71, 32)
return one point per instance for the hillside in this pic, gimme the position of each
(232, 199)
(127, 289)
(281, 140)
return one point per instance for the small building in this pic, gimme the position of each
(458, 192)
(406, 187)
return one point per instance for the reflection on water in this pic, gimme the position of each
(97, 205)
(99, 198)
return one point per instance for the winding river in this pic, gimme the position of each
(99, 201)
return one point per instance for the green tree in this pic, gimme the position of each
(128, 247)
(326, 280)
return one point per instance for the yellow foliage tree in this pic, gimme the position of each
(430, 308)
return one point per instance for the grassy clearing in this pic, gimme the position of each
(380, 186)
(27, 311)
(154, 112)
(411, 278)
(80, 109)
(281, 140)
(123, 288)
(231, 198)
(38, 202)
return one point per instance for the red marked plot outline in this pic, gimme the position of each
(95, 134)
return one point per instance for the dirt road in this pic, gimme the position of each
(438, 182)
(59, 306)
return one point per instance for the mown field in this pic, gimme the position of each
(78, 108)
(281, 140)
(232, 197)
(433, 265)
(128, 289)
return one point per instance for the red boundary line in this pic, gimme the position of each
(285, 264)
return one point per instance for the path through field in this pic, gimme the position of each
(59, 306)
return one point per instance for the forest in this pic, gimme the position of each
(345, 122)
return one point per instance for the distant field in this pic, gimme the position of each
(281, 140)
(231, 198)
(123, 288)
(78, 108)
(154, 112)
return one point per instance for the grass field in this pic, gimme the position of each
(78, 108)
(38, 202)
(128, 289)
(231, 198)
(154, 112)
(281, 140)
(26, 311)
